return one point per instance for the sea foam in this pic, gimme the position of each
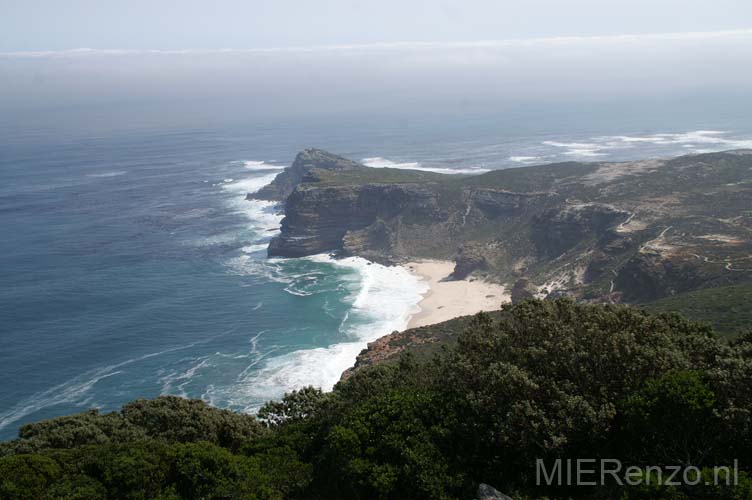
(263, 216)
(665, 144)
(260, 165)
(381, 300)
(379, 162)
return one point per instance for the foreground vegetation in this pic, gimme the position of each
(541, 380)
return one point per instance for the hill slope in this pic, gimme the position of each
(633, 231)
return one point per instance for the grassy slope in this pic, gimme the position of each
(728, 308)
(376, 176)
(533, 178)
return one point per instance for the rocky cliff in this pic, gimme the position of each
(305, 162)
(633, 231)
(328, 218)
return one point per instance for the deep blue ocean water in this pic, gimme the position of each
(132, 266)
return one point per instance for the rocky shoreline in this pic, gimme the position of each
(616, 232)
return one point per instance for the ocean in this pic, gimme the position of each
(131, 264)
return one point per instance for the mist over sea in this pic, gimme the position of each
(131, 264)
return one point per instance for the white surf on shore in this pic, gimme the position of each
(380, 299)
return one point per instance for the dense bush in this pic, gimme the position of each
(547, 379)
(167, 418)
(181, 420)
(539, 380)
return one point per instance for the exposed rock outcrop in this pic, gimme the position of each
(317, 218)
(470, 259)
(375, 242)
(307, 160)
(557, 230)
(522, 290)
(486, 492)
(420, 341)
(499, 202)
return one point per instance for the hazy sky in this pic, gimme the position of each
(211, 24)
(164, 58)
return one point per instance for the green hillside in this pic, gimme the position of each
(728, 309)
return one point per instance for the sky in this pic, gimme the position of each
(199, 61)
(35, 25)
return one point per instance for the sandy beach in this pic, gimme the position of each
(449, 299)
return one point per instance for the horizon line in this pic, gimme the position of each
(414, 45)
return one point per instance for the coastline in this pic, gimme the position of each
(446, 299)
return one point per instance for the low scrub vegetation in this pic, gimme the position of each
(541, 380)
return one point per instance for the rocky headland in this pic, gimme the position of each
(620, 232)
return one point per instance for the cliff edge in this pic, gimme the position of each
(619, 232)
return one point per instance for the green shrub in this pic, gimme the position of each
(549, 380)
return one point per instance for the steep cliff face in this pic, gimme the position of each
(494, 203)
(633, 231)
(318, 218)
(557, 230)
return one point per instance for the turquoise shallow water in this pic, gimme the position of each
(132, 266)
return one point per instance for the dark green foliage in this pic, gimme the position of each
(545, 380)
(672, 419)
(712, 485)
(183, 420)
(393, 446)
(27, 476)
(202, 471)
(727, 308)
(72, 431)
(294, 407)
(535, 380)
(133, 471)
(142, 470)
(166, 418)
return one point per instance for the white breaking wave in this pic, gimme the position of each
(379, 162)
(578, 148)
(260, 165)
(382, 300)
(264, 219)
(258, 247)
(116, 173)
(248, 185)
(175, 383)
(75, 390)
(696, 141)
(717, 138)
(263, 215)
(249, 265)
(524, 159)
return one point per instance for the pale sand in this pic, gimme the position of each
(449, 299)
